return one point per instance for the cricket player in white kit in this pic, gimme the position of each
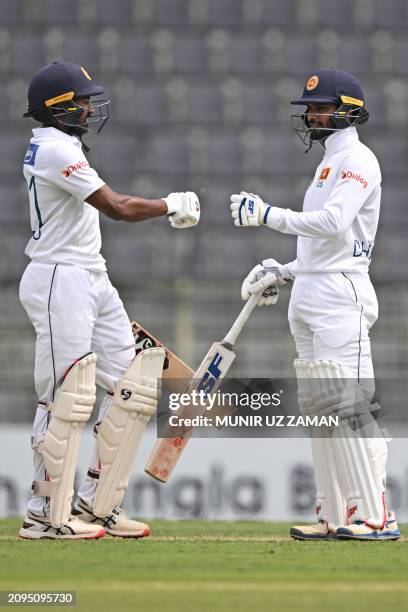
(333, 306)
(84, 336)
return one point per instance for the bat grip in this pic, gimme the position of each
(242, 318)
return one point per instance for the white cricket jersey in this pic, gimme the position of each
(65, 229)
(340, 210)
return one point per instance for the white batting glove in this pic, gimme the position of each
(248, 210)
(183, 209)
(260, 278)
(283, 272)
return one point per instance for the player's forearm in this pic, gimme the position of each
(181, 208)
(249, 210)
(335, 218)
(134, 209)
(125, 207)
(325, 223)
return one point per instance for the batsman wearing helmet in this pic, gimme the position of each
(84, 336)
(333, 306)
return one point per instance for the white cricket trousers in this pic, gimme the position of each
(330, 316)
(73, 311)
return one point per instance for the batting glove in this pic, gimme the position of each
(260, 278)
(183, 209)
(249, 210)
(269, 275)
(283, 272)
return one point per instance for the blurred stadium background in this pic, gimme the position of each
(200, 93)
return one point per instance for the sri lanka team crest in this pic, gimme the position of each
(323, 176)
(324, 173)
(312, 83)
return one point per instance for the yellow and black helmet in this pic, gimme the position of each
(59, 82)
(52, 95)
(335, 86)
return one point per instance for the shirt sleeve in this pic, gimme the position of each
(356, 180)
(68, 169)
(289, 269)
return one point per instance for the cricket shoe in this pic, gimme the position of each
(317, 531)
(359, 530)
(116, 524)
(36, 527)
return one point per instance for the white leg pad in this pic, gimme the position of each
(305, 390)
(362, 463)
(134, 402)
(330, 503)
(70, 410)
(360, 449)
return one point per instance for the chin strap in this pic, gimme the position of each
(79, 134)
(84, 146)
(321, 142)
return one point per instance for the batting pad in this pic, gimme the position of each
(330, 502)
(362, 463)
(134, 402)
(70, 410)
(360, 449)
(305, 391)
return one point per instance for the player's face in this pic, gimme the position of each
(319, 119)
(86, 104)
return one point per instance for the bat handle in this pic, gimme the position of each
(242, 318)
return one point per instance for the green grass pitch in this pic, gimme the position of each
(208, 566)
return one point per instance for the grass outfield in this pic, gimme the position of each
(203, 565)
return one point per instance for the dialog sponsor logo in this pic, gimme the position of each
(74, 167)
(348, 174)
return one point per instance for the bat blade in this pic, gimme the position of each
(206, 378)
(213, 368)
(176, 375)
(164, 457)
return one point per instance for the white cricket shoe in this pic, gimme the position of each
(360, 531)
(116, 523)
(36, 527)
(317, 531)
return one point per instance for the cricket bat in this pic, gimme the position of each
(167, 450)
(174, 368)
(207, 378)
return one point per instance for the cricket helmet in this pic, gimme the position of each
(52, 92)
(332, 86)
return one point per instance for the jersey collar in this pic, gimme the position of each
(52, 133)
(341, 139)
